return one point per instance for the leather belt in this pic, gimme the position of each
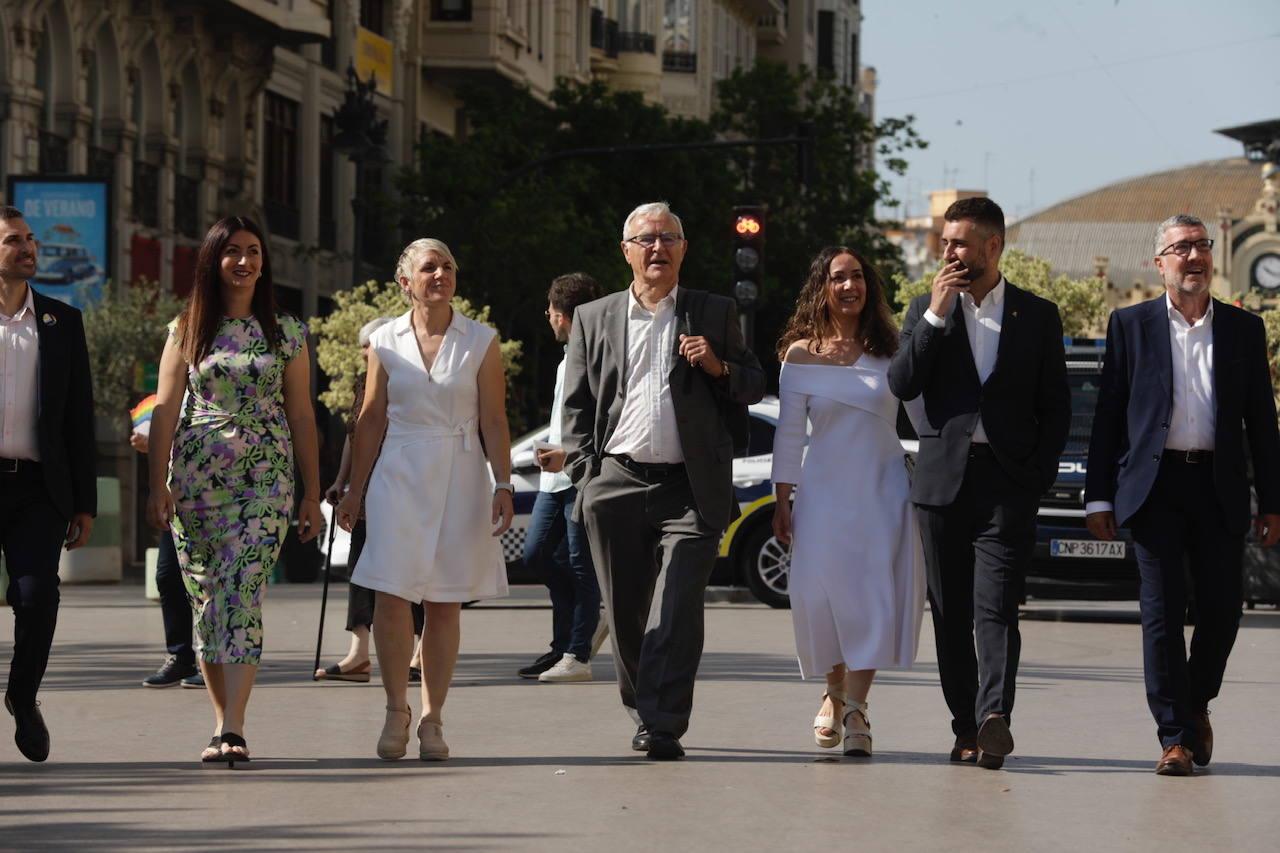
(647, 470)
(1188, 457)
(13, 466)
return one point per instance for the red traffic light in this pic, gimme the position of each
(748, 225)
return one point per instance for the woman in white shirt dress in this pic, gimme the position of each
(435, 386)
(857, 568)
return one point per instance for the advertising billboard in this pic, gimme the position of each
(70, 217)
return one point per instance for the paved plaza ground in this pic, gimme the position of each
(548, 767)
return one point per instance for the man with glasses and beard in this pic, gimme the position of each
(656, 377)
(986, 357)
(1184, 380)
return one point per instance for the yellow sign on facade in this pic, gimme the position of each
(374, 57)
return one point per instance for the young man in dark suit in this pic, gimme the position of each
(987, 359)
(655, 378)
(48, 492)
(1184, 380)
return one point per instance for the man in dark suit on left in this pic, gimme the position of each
(48, 494)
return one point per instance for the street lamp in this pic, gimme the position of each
(362, 136)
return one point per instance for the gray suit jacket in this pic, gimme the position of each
(594, 390)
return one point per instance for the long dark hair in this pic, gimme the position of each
(198, 324)
(812, 317)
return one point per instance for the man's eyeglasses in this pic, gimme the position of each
(1183, 248)
(551, 313)
(668, 238)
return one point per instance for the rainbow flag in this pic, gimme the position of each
(141, 413)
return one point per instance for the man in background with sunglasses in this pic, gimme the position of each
(1185, 378)
(655, 377)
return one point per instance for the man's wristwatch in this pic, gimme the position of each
(724, 369)
(506, 486)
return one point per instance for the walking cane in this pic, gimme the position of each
(324, 595)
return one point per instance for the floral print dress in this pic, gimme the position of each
(231, 476)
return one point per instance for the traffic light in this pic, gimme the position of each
(748, 253)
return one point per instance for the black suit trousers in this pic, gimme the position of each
(1181, 527)
(976, 551)
(32, 533)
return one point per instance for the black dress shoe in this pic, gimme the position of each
(665, 747)
(994, 737)
(540, 665)
(990, 761)
(31, 735)
(171, 673)
(640, 743)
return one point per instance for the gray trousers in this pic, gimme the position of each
(654, 555)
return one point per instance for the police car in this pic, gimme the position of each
(749, 554)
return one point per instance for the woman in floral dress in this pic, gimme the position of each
(228, 491)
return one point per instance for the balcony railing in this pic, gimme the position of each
(55, 153)
(146, 194)
(636, 43)
(772, 28)
(102, 163)
(282, 219)
(186, 206)
(680, 61)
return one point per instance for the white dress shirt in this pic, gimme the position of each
(1194, 416)
(982, 323)
(19, 369)
(559, 481)
(646, 430)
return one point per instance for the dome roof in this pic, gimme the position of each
(1118, 221)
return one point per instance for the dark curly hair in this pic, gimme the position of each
(812, 317)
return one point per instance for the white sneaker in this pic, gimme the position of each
(568, 669)
(601, 634)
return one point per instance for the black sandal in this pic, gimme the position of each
(235, 741)
(215, 743)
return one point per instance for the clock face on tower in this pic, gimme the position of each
(1266, 271)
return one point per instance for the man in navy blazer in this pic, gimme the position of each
(48, 492)
(1185, 378)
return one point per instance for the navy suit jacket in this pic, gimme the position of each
(1135, 404)
(64, 399)
(1025, 403)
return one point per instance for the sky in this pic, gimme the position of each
(1039, 101)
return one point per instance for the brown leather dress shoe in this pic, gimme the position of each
(966, 749)
(1174, 761)
(1205, 750)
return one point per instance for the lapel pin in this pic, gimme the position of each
(49, 320)
(1015, 313)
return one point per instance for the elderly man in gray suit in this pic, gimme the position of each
(657, 381)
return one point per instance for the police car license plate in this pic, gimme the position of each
(1087, 548)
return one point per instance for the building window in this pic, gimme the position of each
(373, 16)
(450, 10)
(853, 60)
(826, 44)
(280, 166)
(328, 166)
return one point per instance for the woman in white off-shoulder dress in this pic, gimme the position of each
(857, 581)
(433, 514)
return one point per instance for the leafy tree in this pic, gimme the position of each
(123, 331)
(1080, 301)
(337, 345)
(514, 228)
(850, 160)
(1271, 319)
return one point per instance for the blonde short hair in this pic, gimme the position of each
(415, 250)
